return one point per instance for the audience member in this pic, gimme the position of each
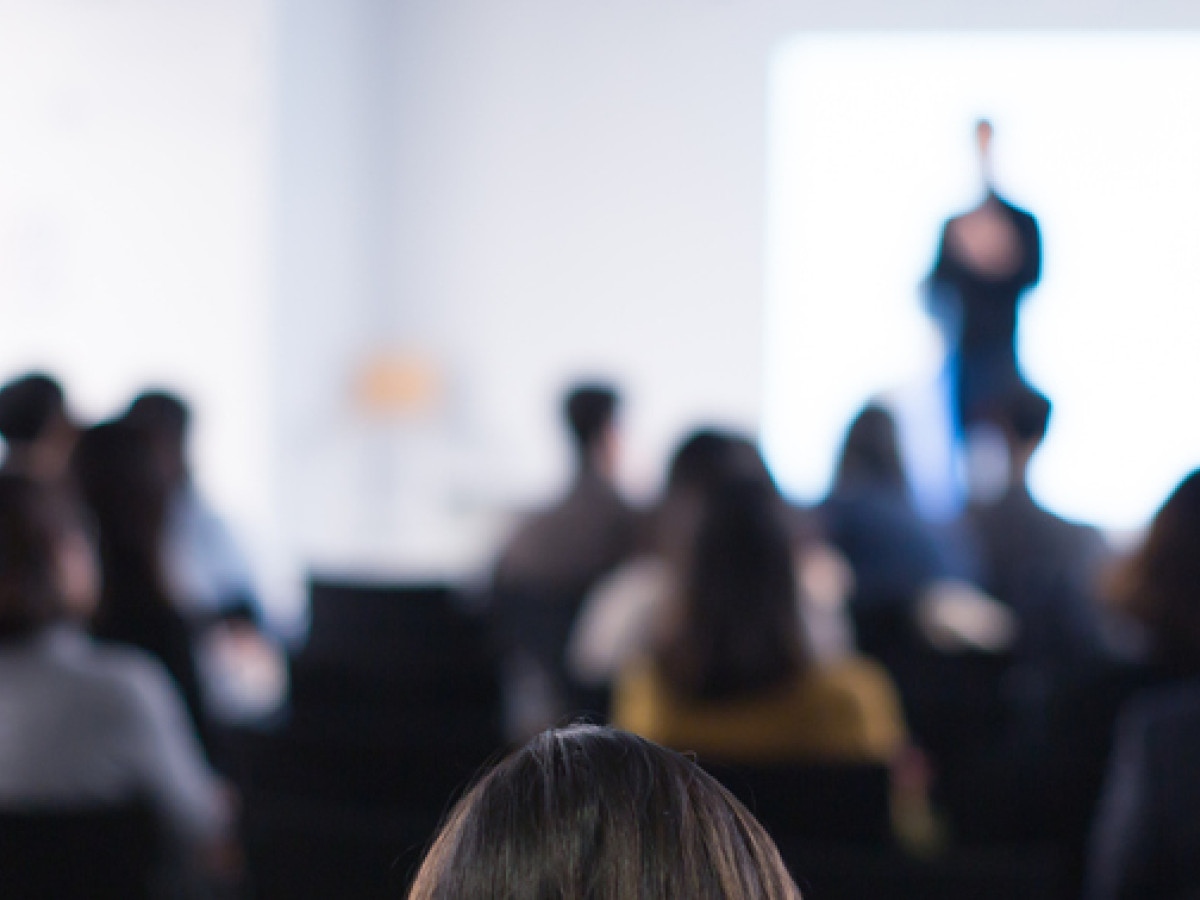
(555, 557)
(912, 609)
(37, 431)
(1044, 568)
(870, 517)
(622, 616)
(207, 573)
(124, 488)
(592, 812)
(1146, 844)
(728, 671)
(1158, 586)
(1002, 777)
(83, 723)
(1157, 589)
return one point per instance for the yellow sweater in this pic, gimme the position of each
(846, 711)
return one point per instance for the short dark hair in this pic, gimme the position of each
(1025, 413)
(30, 529)
(589, 409)
(159, 412)
(598, 814)
(28, 405)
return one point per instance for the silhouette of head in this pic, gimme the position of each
(1023, 415)
(591, 813)
(871, 452)
(590, 411)
(35, 426)
(164, 417)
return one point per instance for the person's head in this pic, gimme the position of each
(590, 412)
(737, 627)
(123, 486)
(35, 426)
(705, 459)
(47, 570)
(165, 418)
(1160, 584)
(984, 133)
(591, 813)
(871, 452)
(1023, 415)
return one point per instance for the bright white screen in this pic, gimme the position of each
(871, 150)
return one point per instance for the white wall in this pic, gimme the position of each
(135, 151)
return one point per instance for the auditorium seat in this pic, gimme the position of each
(101, 853)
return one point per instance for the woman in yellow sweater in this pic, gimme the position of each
(728, 674)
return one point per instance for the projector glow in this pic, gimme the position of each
(870, 150)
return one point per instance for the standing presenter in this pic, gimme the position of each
(987, 259)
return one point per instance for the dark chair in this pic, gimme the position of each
(97, 853)
(395, 707)
(834, 802)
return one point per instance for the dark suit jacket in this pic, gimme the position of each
(1043, 568)
(988, 305)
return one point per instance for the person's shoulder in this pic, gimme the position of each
(855, 676)
(1165, 710)
(127, 672)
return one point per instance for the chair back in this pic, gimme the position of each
(100, 853)
(842, 802)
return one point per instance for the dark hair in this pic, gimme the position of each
(159, 412)
(740, 628)
(28, 405)
(871, 451)
(590, 813)
(709, 457)
(124, 487)
(589, 410)
(1025, 414)
(30, 528)
(1161, 584)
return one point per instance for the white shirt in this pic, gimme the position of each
(88, 723)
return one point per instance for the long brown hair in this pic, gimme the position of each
(1161, 585)
(590, 813)
(739, 629)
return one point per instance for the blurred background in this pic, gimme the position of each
(372, 243)
(372, 240)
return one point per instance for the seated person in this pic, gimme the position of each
(83, 723)
(1045, 569)
(617, 622)
(1156, 590)
(1146, 843)
(207, 574)
(870, 517)
(553, 559)
(728, 673)
(126, 494)
(591, 812)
